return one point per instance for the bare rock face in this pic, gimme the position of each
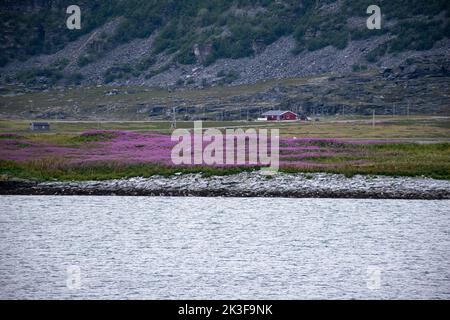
(258, 46)
(413, 68)
(201, 53)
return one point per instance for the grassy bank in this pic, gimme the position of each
(68, 152)
(429, 160)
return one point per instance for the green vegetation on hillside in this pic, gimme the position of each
(227, 29)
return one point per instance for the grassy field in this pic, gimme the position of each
(386, 127)
(416, 146)
(430, 160)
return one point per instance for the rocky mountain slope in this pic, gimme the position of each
(186, 45)
(218, 42)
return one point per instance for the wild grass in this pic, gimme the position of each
(59, 169)
(430, 160)
(398, 156)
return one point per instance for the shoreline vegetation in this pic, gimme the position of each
(348, 147)
(48, 169)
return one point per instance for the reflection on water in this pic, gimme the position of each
(222, 248)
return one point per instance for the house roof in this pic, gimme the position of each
(40, 123)
(275, 113)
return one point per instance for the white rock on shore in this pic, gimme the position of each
(253, 184)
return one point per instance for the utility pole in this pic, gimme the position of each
(173, 125)
(407, 100)
(373, 118)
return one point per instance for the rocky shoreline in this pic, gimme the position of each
(301, 185)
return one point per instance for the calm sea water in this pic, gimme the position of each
(223, 248)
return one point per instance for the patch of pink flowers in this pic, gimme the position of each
(132, 147)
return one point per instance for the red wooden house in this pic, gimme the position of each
(279, 115)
